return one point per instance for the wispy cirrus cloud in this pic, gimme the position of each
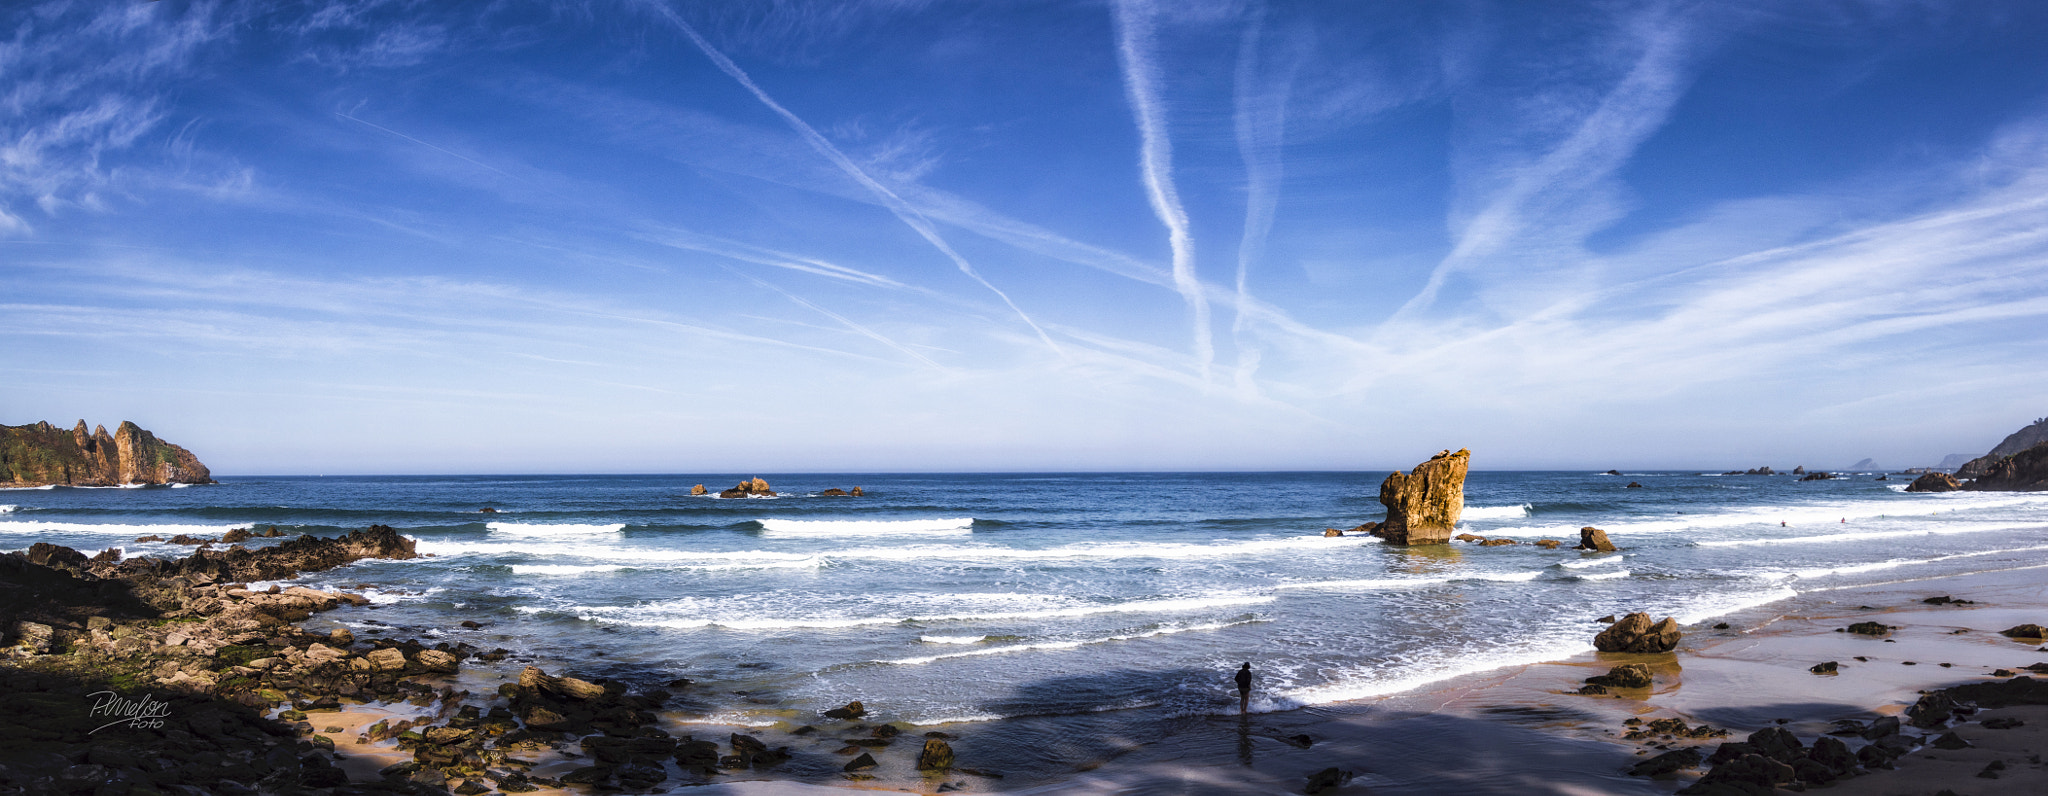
(1526, 208)
(895, 204)
(1136, 22)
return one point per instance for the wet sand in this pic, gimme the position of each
(1518, 730)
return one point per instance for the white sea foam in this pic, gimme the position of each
(550, 547)
(952, 639)
(1820, 572)
(1704, 608)
(1412, 583)
(1592, 562)
(1619, 573)
(816, 528)
(542, 530)
(1860, 536)
(26, 488)
(118, 529)
(1060, 645)
(1816, 514)
(7, 508)
(639, 615)
(564, 569)
(1497, 512)
(1364, 685)
(728, 720)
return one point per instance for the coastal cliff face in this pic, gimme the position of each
(2025, 471)
(1423, 505)
(2013, 443)
(41, 454)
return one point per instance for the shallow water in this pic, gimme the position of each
(943, 598)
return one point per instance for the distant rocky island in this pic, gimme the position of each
(40, 454)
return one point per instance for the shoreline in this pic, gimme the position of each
(1513, 729)
(1540, 737)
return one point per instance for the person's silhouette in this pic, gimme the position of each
(1244, 689)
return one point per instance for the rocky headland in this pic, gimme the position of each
(145, 676)
(40, 454)
(2033, 434)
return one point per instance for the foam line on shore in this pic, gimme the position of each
(1412, 583)
(1812, 514)
(120, 529)
(1592, 562)
(545, 530)
(1619, 573)
(1820, 572)
(1864, 536)
(1062, 645)
(804, 529)
(536, 545)
(1497, 512)
(627, 615)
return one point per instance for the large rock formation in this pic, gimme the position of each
(41, 454)
(2013, 443)
(1423, 506)
(2025, 471)
(1934, 482)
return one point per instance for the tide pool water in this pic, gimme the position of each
(946, 598)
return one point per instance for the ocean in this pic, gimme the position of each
(950, 598)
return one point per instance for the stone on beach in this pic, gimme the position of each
(1423, 506)
(2029, 630)
(937, 756)
(1627, 675)
(1636, 633)
(1591, 538)
(852, 710)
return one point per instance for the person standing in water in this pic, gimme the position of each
(1244, 689)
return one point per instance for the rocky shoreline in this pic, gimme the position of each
(151, 676)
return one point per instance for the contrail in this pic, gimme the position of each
(456, 155)
(1134, 41)
(877, 336)
(903, 211)
(1259, 145)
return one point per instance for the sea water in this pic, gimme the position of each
(950, 598)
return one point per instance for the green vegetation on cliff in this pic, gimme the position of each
(41, 454)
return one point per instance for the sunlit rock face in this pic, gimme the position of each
(1423, 505)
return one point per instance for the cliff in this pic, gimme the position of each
(2015, 442)
(2025, 471)
(1423, 505)
(41, 454)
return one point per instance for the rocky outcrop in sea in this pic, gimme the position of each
(40, 454)
(1423, 505)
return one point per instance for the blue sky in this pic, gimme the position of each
(640, 236)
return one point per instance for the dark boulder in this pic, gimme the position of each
(1636, 633)
(1934, 482)
(1668, 763)
(852, 710)
(1634, 485)
(2027, 631)
(1326, 779)
(1627, 675)
(937, 756)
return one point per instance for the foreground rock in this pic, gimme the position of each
(1636, 633)
(41, 454)
(1423, 506)
(1934, 482)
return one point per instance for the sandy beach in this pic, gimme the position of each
(1520, 730)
